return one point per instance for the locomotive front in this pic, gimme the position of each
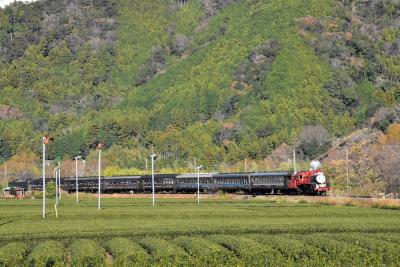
(319, 183)
(312, 182)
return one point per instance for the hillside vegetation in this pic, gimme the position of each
(216, 80)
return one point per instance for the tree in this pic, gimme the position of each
(23, 166)
(50, 189)
(314, 140)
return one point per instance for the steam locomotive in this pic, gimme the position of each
(311, 182)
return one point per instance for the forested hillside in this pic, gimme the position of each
(216, 80)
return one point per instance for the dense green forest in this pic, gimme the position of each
(216, 80)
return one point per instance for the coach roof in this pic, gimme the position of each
(194, 175)
(271, 174)
(231, 175)
(159, 175)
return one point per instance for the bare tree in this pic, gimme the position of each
(314, 140)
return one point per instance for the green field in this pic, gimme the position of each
(129, 232)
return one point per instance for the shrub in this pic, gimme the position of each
(206, 252)
(251, 252)
(127, 253)
(50, 190)
(47, 253)
(379, 251)
(294, 250)
(87, 253)
(165, 253)
(13, 254)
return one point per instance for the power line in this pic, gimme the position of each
(393, 151)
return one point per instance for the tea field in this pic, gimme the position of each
(178, 232)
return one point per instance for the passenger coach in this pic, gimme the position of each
(187, 183)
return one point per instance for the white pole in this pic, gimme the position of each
(44, 180)
(152, 177)
(55, 176)
(58, 184)
(347, 170)
(76, 179)
(99, 179)
(59, 180)
(198, 185)
(245, 164)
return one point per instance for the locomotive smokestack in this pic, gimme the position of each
(315, 165)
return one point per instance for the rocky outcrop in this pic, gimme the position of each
(9, 113)
(213, 6)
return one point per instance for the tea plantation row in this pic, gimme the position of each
(353, 249)
(176, 232)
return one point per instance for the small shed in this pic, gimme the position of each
(13, 191)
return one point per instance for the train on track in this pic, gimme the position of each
(311, 182)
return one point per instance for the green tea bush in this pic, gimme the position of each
(252, 253)
(384, 252)
(127, 253)
(340, 253)
(47, 253)
(205, 252)
(164, 253)
(391, 237)
(13, 254)
(87, 253)
(299, 252)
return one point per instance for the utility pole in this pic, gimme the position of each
(394, 152)
(198, 184)
(44, 180)
(59, 180)
(76, 177)
(347, 170)
(99, 147)
(99, 193)
(55, 173)
(152, 156)
(294, 160)
(84, 168)
(45, 141)
(5, 174)
(245, 164)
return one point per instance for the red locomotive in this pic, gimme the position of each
(311, 182)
